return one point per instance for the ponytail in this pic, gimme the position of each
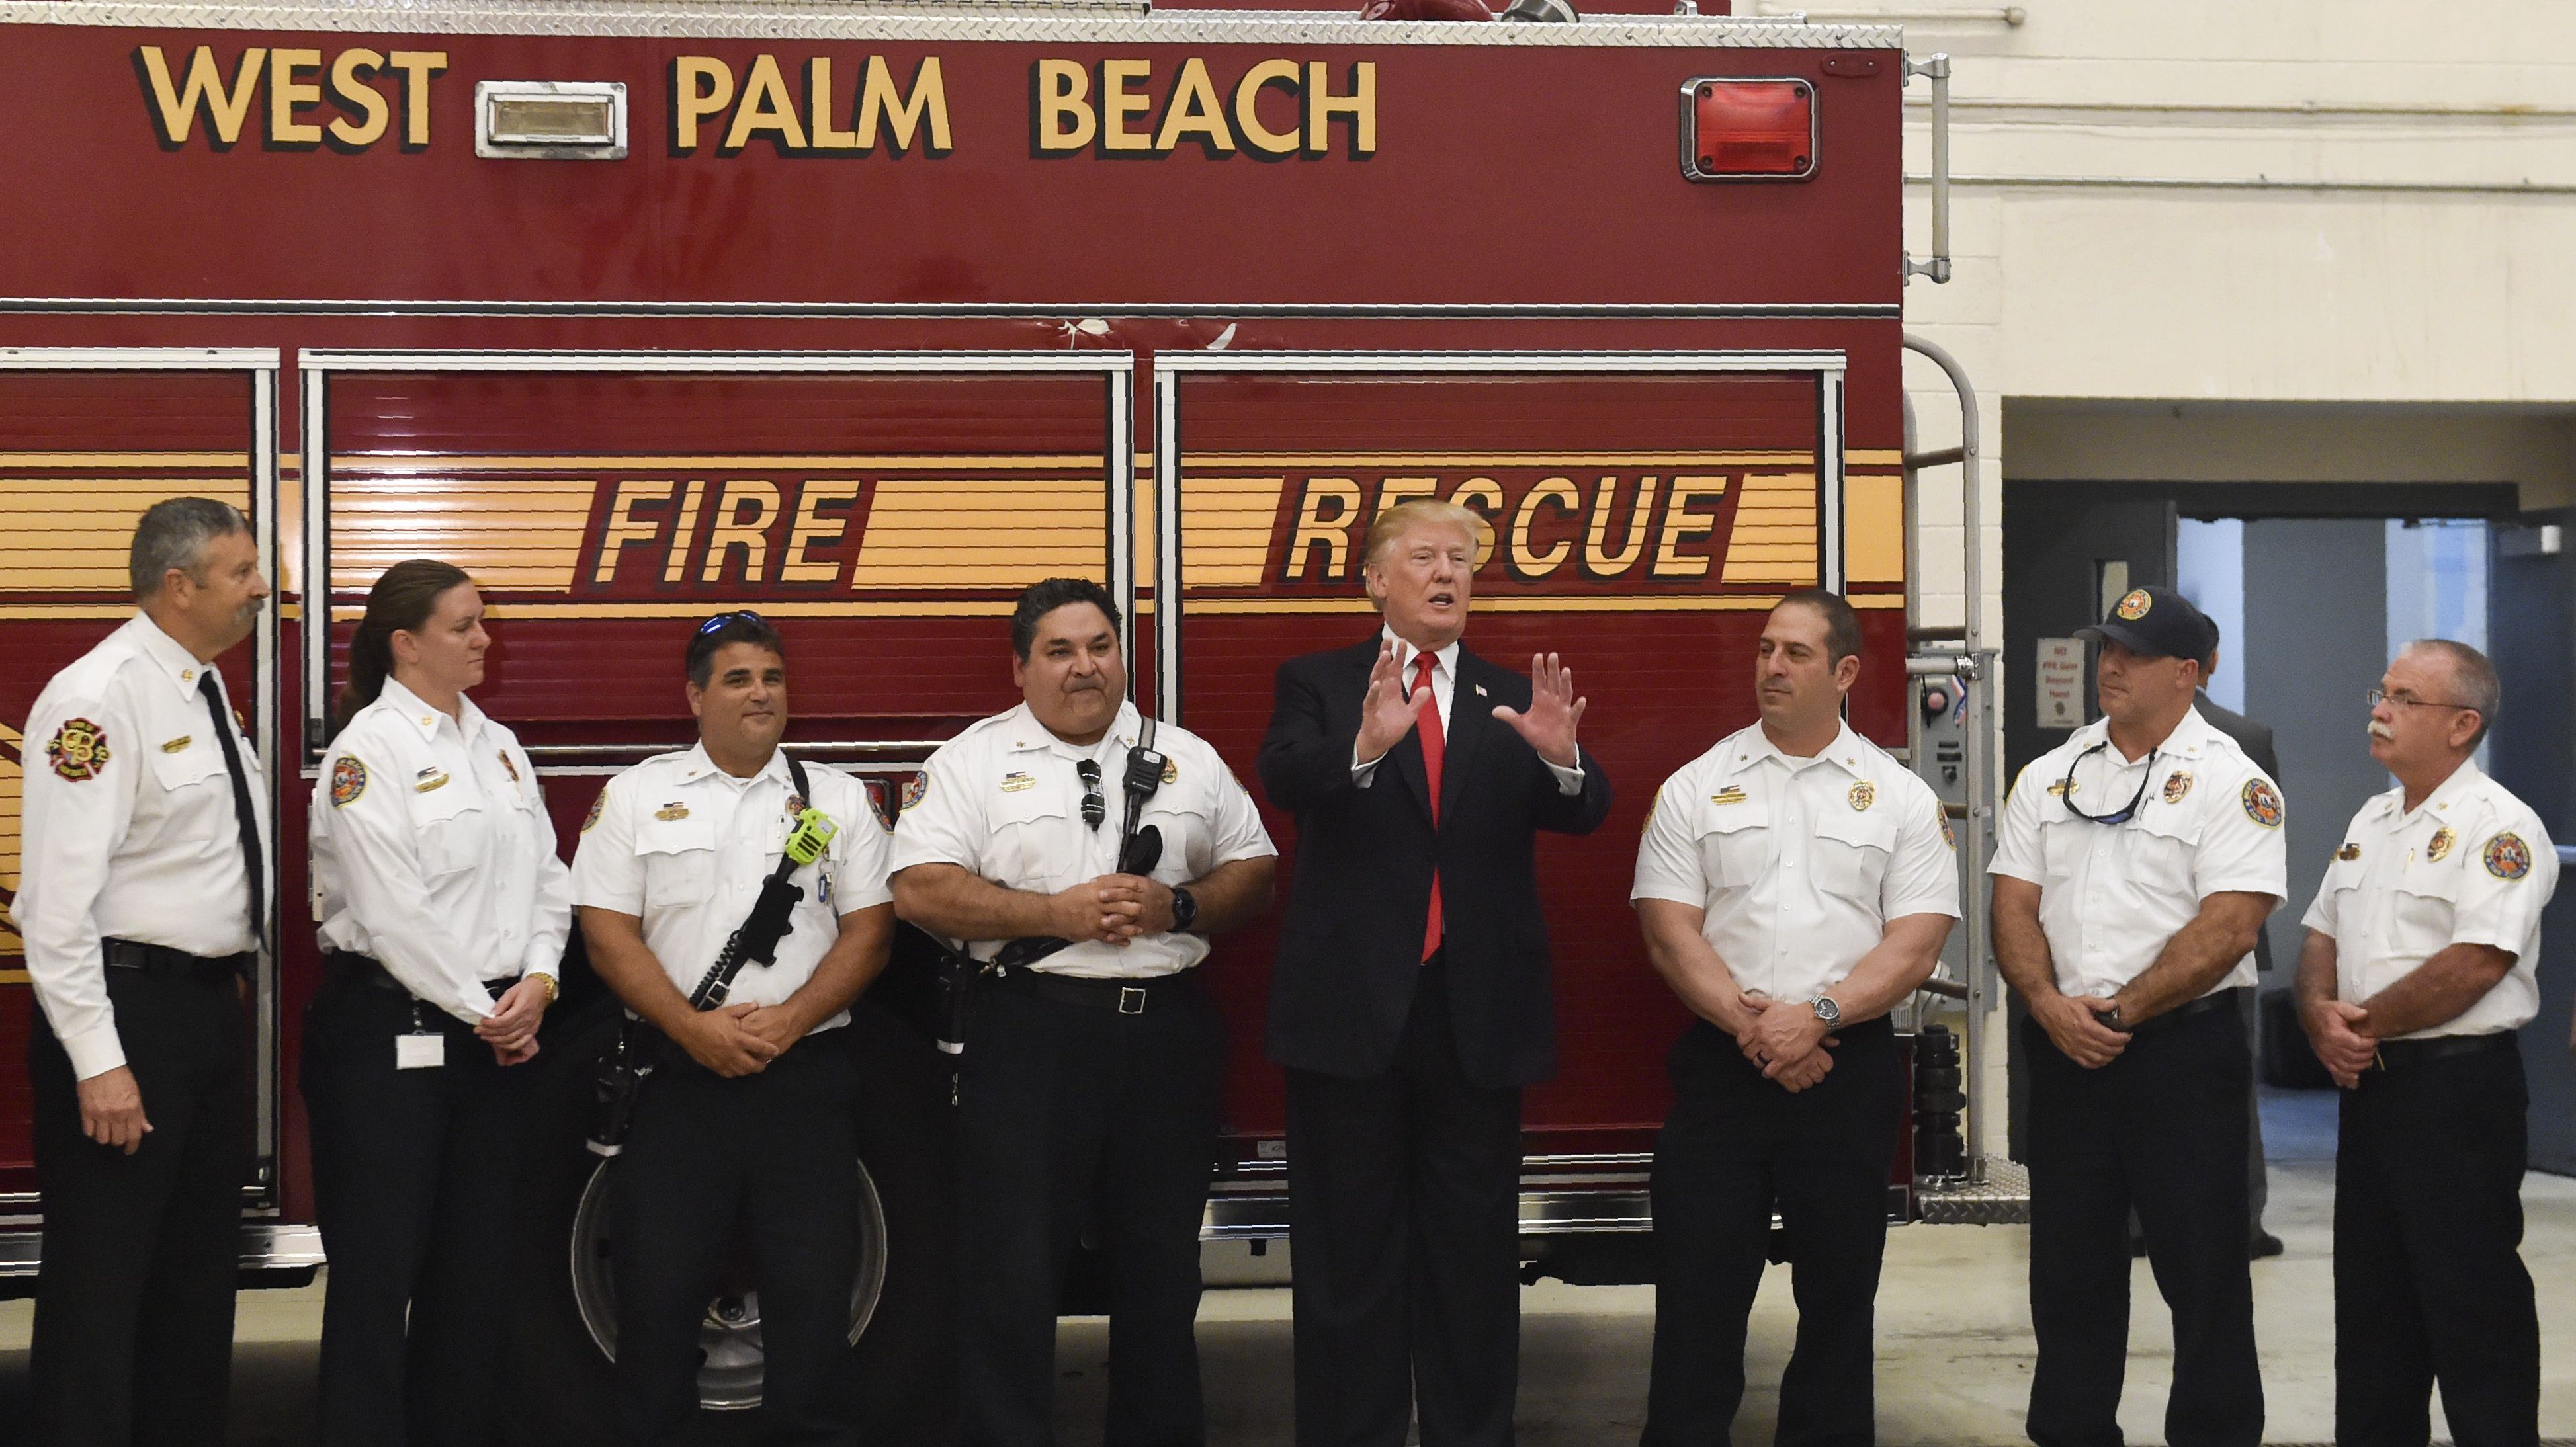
(401, 602)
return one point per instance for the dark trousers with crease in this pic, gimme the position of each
(774, 1157)
(2429, 1281)
(416, 1177)
(1404, 1190)
(1736, 1146)
(1064, 1107)
(2160, 1129)
(134, 1300)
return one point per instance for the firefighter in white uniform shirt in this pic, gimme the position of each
(2134, 866)
(750, 1116)
(2416, 977)
(1093, 1055)
(443, 910)
(1794, 884)
(143, 900)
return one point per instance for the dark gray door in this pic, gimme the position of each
(2065, 545)
(2531, 612)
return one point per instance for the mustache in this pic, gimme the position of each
(2380, 730)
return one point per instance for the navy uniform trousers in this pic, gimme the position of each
(2429, 1281)
(1736, 1146)
(134, 1300)
(2161, 1130)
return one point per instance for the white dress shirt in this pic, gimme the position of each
(2112, 895)
(1444, 698)
(1799, 862)
(1003, 800)
(683, 846)
(433, 853)
(130, 831)
(2471, 865)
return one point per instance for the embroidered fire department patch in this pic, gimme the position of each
(2507, 857)
(1862, 795)
(78, 750)
(590, 820)
(2438, 848)
(877, 806)
(2262, 802)
(1943, 815)
(348, 781)
(2135, 605)
(2177, 787)
(915, 790)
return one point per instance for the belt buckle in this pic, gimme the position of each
(1131, 999)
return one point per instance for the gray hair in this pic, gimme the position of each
(173, 534)
(2473, 680)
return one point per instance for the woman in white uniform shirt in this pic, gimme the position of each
(443, 911)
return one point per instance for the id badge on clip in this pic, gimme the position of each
(423, 1048)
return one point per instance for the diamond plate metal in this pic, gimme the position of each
(1121, 22)
(2001, 1199)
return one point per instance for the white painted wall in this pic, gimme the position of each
(2370, 275)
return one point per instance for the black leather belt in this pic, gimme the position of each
(1126, 997)
(2217, 1000)
(367, 970)
(163, 960)
(2407, 1054)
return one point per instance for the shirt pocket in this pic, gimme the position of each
(2426, 902)
(455, 831)
(1735, 849)
(198, 765)
(2063, 844)
(2162, 846)
(1850, 854)
(1039, 842)
(679, 861)
(1188, 827)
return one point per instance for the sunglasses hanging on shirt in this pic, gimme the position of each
(1095, 807)
(2126, 812)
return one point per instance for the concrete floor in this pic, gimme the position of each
(1954, 1358)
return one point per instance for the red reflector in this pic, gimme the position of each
(1733, 128)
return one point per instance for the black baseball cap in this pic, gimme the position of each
(2156, 622)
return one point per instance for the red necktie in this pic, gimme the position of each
(1435, 745)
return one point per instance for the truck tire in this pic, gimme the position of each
(563, 1323)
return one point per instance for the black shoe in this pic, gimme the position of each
(2265, 1244)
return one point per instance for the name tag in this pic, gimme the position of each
(419, 1052)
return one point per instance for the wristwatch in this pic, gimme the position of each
(1185, 910)
(1828, 1013)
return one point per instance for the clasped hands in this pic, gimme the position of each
(1784, 1038)
(1548, 725)
(2339, 1032)
(511, 1028)
(1113, 909)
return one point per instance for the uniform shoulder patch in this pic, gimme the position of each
(590, 821)
(1941, 813)
(348, 780)
(2262, 802)
(877, 806)
(2507, 857)
(78, 750)
(916, 789)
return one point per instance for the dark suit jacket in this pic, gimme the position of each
(1350, 945)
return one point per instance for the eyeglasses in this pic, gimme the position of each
(2381, 695)
(2066, 788)
(721, 619)
(1094, 807)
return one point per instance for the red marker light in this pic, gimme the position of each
(1740, 129)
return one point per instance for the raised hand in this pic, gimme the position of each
(1386, 715)
(1553, 712)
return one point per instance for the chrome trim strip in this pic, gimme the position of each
(265, 1246)
(1500, 361)
(962, 311)
(1167, 533)
(269, 688)
(1542, 1213)
(955, 21)
(138, 359)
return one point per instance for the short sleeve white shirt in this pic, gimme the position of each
(2471, 865)
(1798, 862)
(1004, 800)
(433, 853)
(2112, 895)
(684, 846)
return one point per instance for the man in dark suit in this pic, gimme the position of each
(1410, 1000)
(2256, 740)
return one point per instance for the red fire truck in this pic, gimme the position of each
(865, 317)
